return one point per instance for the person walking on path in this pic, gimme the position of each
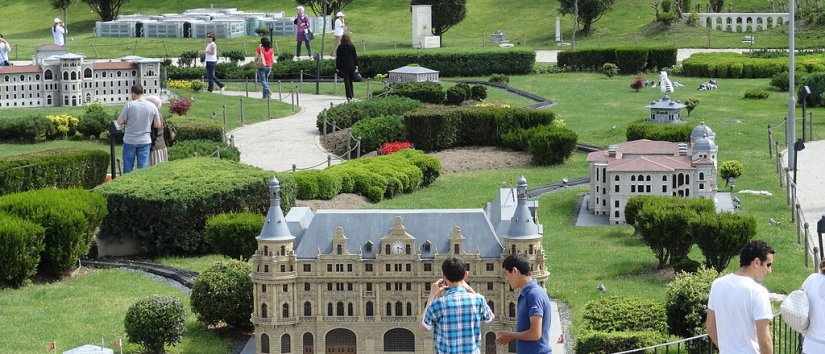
(5, 49)
(159, 152)
(264, 58)
(346, 62)
(533, 314)
(138, 117)
(301, 32)
(340, 27)
(211, 59)
(739, 310)
(814, 287)
(58, 32)
(455, 311)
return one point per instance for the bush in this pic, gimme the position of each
(233, 234)
(180, 106)
(722, 236)
(637, 84)
(458, 93)
(196, 86)
(65, 125)
(478, 92)
(551, 145)
(196, 129)
(203, 148)
(188, 57)
(185, 73)
(733, 65)
(816, 82)
(289, 69)
(394, 146)
(173, 213)
(499, 79)
(690, 104)
(428, 92)
(234, 56)
(21, 243)
(628, 60)
(730, 169)
(634, 206)
(780, 80)
(631, 60)
(686, 300)
(610, 70)
(223, 293)
(155, 321)
(598, 342)
(95, 120)
(29, 129)
(611, 314)
(756, 94)
(451, 62)
(318, 185)
(53, 168)
(347, 114)
(676, 133)
(69, 218)
(660, 58)
(666, 232)
(376, 131)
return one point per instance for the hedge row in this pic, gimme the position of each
(53, 168)
(347, 114)
(28, 129)
(21, 243)
(378, 130)
(677, 133)
(197, 129)
(733, 65)
(375, 178)
(204, 148)
(282, 70)
(451, 62)
(427, 92)
(629, 60)
(233, 234)
(165, 208)
(599, 342)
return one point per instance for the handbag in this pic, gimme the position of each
(356, 76)
(795, 311)
(259, 59)
(170, 134)
(309, 36)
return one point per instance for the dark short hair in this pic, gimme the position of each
(517, 261)
(137, 89)
(453, 269)
(211, 35)
(266, 43)
(753, 250)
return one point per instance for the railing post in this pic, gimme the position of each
(298, 97)
(242, 114)
(280, 91)
(358, 152)
(806, 244)
(293, 168)
(224, 124)
(324, 132)
(349, 146)
(787, 185)
(302, 78)
(246, 86)
(232, 140)
(369, 92)
(329, 160)
(798, 224)
(269, 107)
(770, 141)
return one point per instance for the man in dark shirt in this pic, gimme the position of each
(533, 314)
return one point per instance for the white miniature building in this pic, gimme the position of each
(89, 349)
(69, 80)
(422, 29)
(665, 110)
(412, 73)
(646, 167)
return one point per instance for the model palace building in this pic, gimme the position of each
(646, 167)
(68, 80)
(357, 281)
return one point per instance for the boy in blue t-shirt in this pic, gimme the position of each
(533, 314)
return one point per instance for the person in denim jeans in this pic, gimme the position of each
(264, 57)
(211, 59)
(138, 117)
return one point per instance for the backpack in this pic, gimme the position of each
(170, 133)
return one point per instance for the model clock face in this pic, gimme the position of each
(397, 247)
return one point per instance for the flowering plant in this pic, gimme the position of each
(180, 106)
(393, 146)
(64, 123)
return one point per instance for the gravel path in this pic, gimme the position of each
(551, 56)
(810, 182)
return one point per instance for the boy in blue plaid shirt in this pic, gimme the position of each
(455, 311)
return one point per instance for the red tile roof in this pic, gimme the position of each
(20, 69)
(650, 164)
(636, 147)
(117, 65)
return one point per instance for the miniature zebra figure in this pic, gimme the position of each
(664, 83)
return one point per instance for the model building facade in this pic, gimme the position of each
(646, 167)
(357, 281)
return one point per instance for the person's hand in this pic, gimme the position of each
(467, 287)
(437, 288)
(503, 337)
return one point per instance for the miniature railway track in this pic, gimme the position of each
(184, 277)
(588, 147)
(555, 187)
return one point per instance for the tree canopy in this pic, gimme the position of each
(446, 13)
(589, 11)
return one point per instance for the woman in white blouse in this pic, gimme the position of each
(58, 32)
(814, 288)
(340, 29)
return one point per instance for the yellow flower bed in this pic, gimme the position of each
(63, 122)
(179, 84)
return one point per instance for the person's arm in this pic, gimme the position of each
(763, 334)
(122, 118)
(157, 121)
(354, 56)
(428, 317)
(710, 326)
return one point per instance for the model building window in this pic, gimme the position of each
(329, 286)
(339, 249)
(368, 267)
(511, 310)
(349, 286)
(399, 340)
(456, 249)
(616, 188)
(283, 248)
(306, 286)
(409, 309)
(408, 267)
(389, 309)
(263, 311)
(339, 309)
(530, 249)
(427, 286)
(329, 267)
(266, 268)
(369, 286)
(407, 249)
(286, 288)
(263, 288)
(285, 311)
(490, 286)
(307, 268)
(389, 286)
(46, 75)
(369, 311)
(87, 74)
(350, 310)
(492, 306)
(349, 267)
(387, 267)
(428, 267)
(285, 344)
(329, 309)
(283, 268)
(387, 249)
(399, 308)
(409, 286)
(307, 309)
(264, 343)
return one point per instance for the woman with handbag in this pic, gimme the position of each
(158, 153)
(264, 57)
(302, 32)
(814, 288)
(346, 63)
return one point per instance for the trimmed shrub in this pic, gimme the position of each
(816, 82)
(722, 236)
(611, 314)
(635, 204)
(666, 232)
(233, 234)
(69, 218)
(756, 94)
(730, 169)
(660, 58)
(676, 133)
(29, 129)
(499, 79)
(631, 60)
(223, 293)
(95, 120)
(428, 91)
(734, 65)
(318, 185)
(781, 83)
(378, 130)
(598, 342)
(180, 106)
(452, 62)
(203, 148)
(690, 104)
(21, 243)
(551, 145)
(628, 60)
(155, 322)
(185, 73)
(610, 70)
(53, 168)
(458, 93)
(478, 92)
(586, 59)
(686, 300)
(196, 129)
(346, 114)
(174, 199)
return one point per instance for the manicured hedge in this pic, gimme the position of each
(204, 148)
(53, 168)
(378, 130)
(233, 234)
(155, 322)
(599, 342)
(635, 204)
(677, 133)
(625, 314)
(347, 114)
(197, 129)
(69, 218)
(428, 92)
(551, 145)
(165, 207)
(733, 65)
(282, 70)
(629, 60)
(28, 129)
(451, 62)
(21, 243)
(223, 293)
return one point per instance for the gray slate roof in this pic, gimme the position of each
(361, 226)
(666, 103)
(413, 70)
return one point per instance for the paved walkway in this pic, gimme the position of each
(278, 143)
(811, 181)
(550, 56)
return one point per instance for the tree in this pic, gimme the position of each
(223, 293)
(716, 5)
(665, 231)
(691, 104)
(107, 10)
(324, 7)
(722, 236)
(731, 169)
(589, 11)
(686, 300)
(155, 321)
(446, 13)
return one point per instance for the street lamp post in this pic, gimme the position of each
(791, 124)
(320, 55)
(798, 146)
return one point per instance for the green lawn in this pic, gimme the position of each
(88, 308)
(195, 264)
(385, 24)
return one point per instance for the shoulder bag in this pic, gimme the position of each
(795, 310)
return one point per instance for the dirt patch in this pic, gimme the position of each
(480, 158)
(336, 142)
(341, 201)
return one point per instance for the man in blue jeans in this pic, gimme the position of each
(138, 117)
(533, 314)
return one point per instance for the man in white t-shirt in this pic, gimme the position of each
(739, 310)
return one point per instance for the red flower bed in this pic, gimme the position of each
(394, 146)
(180, 106)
